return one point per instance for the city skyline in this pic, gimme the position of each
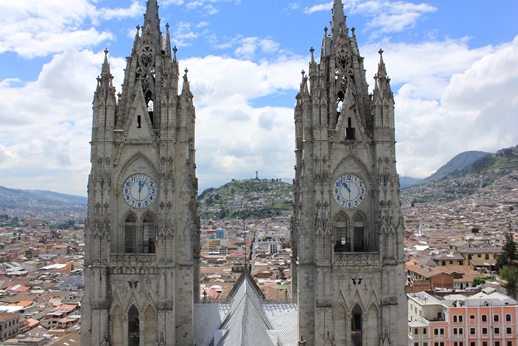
(454, 70)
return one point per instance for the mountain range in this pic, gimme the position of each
(263, 198)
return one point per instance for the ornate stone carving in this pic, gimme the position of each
(357, 259)
(133, 260)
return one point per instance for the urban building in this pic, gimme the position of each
(486, 318)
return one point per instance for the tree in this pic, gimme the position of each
(510, 274)
(507, 264)
(509, 256)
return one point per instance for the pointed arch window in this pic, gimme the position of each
(130, 234)
(356, 326)
(133, 327)
(359, 233)
(148, 233)
(342, 239)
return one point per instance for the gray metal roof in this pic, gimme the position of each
(247, 320)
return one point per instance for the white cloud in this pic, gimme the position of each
(46, 124)
(39, 28)
(386, 16)
(459, 100)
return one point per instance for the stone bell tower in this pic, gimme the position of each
(142, 230)
(347, 228)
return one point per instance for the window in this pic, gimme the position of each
(454, 331)
(508, 317)
(472, 331)
(424, 331)
(149, 234)
(484, 318)
(416, 331)
(473, 343)
(484, 343)
(471, 317)
(509, 343)
(509, 330)
(497, 343)
(461, 331)
(497, 330)
(441, 331)
(454, 318)
(342, 241)
(460, 318)
(484, 331)
(496, 318)
(356, 325)
(130, 234)
(359, 236)
(133, 326)
(436, 331)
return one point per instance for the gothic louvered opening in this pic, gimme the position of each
(342, 241)
(148, 234)
(359, 233)
(130, 234)
(133, 327)
(356, 326)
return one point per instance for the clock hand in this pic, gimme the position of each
(347, 187)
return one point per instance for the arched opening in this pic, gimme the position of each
(133, 326)
(150, 105)
(148, 233)
(359, 233)
(342, 241)
(130, 234)
(356, 326)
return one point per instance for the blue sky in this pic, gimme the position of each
(453, 64)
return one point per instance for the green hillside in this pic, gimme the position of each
(249, 199)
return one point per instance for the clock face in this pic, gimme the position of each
(349, 191)
(139, 191)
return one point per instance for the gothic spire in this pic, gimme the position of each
(382, 70)
(151, 18)
(382, 84)
(338, 19)
(104, 81)
(106, 65)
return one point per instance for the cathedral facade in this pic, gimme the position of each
(142, 230)
(347, 233)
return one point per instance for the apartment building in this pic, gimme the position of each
(487, 318)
